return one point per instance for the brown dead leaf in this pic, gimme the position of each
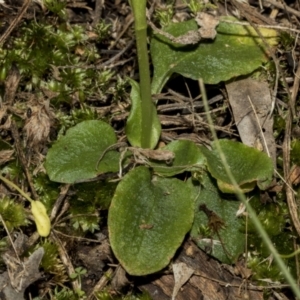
(100, 253)
(11, 85)
(92, 35)
(182, 273)
(250, 123)
(3, 111)
(208, 24)
(160, 155)
(37, 127)
(295, 175)
(5, 156)
(20, 272)
(80, 51)
(242, 270)
(119, 280)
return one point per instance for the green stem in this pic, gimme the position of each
(140, 25)
(267, 241)
(11, 184)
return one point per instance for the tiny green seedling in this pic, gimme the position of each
(79, 272)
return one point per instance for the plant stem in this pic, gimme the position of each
(11, 184)
(140, 25)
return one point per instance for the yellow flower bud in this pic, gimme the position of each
(41, 218)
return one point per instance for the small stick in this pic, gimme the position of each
(15, 22)
(22, 159)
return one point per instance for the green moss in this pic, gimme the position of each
(89, 198)
(286, 40)
(62, 62)
(264, 269)
(64, 294)
(14, 170)
(106, 295)
(52, 264)
(48, 191)
(13, 214)
(98, 193)
(84, 215)
(260, 261)
(295, 152)
(57, 7)
(279, 125)
(76, 116)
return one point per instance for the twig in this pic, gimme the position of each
(10, 239)
(127, 25)
(63, 192)
(101, 283)
(15, 22)
(293, 208)
(296, 85)
(22, 159)
(119, 54)
(290, 196)
(284, 7)
(97, 13)
(66, 260)
(266, 146)
(78, 238)
(250, 287)
(11, 85)
(262, 26)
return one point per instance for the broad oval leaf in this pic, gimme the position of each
(134, 121)
(41, 218)
(188, 157)
(74, 156)
(148, 219)
(247, 165)
(236, 51)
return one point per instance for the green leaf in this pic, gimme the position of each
(73, 275)
(74, 156)
(134, 121)
(188, 157)
(235, 51)
(247, 165)
(272, 217)
(232, 236)
(148, 220)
